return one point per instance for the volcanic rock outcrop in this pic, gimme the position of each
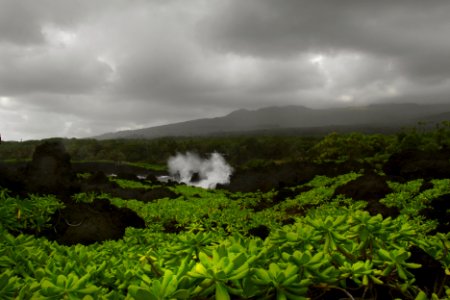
(50, 171)
(87, 223)
(413, 164)
(370, 187)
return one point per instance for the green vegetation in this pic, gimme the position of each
(33, 213)
(153, 154)
(335, 245)
(247, 151)
(131, 184)
(410, 200)
(201, 245)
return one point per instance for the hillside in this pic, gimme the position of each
(375, 117)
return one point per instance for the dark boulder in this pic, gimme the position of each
(430, 275)
(370, 187)
(98, 178)
(271, 177)
(152, 178)
(50, 171)
(426, 185)
(261, 231)
(195, 178)
(99, 183)
(158, 193)
(126, 176)
(438, 210)
(284, 194)
(11, 177)
(276, 176)
(111, 168)
(414, 164)
(87, 223)
(172, 226)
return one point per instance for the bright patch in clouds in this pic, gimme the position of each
(58, 37)
(317, 59)
(346, 98)
(5, 102)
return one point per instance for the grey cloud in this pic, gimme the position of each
(52, 71)
(182, 77)
(34, 55)
(21, 22)
(412, 32)
(269, 27)
(18, 23)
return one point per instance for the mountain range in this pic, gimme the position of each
(300, 119)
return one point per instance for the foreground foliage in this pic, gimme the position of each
(214, 244)
(335, 247)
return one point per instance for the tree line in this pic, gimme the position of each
(248, 150)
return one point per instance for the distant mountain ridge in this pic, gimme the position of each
(296, 117)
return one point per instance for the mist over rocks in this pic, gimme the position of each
(191, 169)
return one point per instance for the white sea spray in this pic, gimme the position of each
(209, 172)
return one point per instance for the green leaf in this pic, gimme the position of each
(82, 281)
(199, 271)
(263, 275)
(421, 296)
(204, 258)
(290, 270)
(318, 257)
(169, 283)
(221, 292)
(156, 287)
(290, 280)
(274, 269)
(181, 294)
(402, 273)
(139, 293)
(375, 280)
(384, 254)
(281, 295)
(413, 265)
(239, 275)
(220, 275)
(365, 281)
(89, 290)
(61, 281)
(4, 280)
(296, 295)
(292, 236)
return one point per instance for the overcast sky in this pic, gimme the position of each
(80, 68)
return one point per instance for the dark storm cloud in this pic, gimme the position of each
(18, 23)
(21, 21)
(81, 68)
(269, 27)
(184, 78)
(41, 70)
(412, 32)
